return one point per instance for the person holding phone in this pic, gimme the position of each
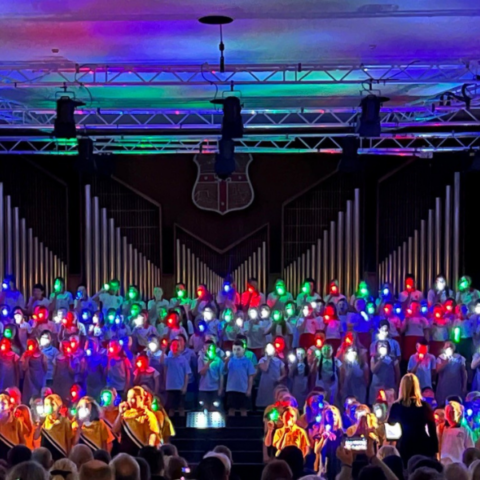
(416, 419)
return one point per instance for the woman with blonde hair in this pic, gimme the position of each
(416, 419)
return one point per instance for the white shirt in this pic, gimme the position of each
(110, 301)
(416, 326)
(64, 300)
(454, 442)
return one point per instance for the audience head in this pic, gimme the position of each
(125, 467)
(64, 469)
(225, 450)
(211, 468)
(372, 472)
(456, 471)
(470, 455)
(43, 456)
(28, 471)
(420, 461)
(18, 454)
(154, 458)
(144, 468)
(103, 456)
(395, 464)
(425, 473)
(294, 458)
(80, 454)
(277, 470)
(474, 470)
(176, 467)
(96, 469)
(387, 451)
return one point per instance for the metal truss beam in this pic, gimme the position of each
(419, 144)
(57, 75)
(254, 120)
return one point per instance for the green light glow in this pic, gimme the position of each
(106, 398)
(8, 333)
(155, 406)
(228, 315)
(163, 313)
(274, 415)
(132, 294)
(57, 286)
(280, 287)
(277, 316)
(306, 288)
(180, 293)
(106, 286)
(212, 352)
(457, 334)
(370, 308)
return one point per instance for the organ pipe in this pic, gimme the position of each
(9, 266)
(456, 229)
(438, 235)
(430, 251)
(25, 276)
(356, 241)
(111, 243)
(348, 248)
(448, 232)
(423, 259)
(88, 238)
(340, 248)
(104, 273)
(16, 231)
(332, 250)
(96, 244)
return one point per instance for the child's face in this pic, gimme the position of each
(238, 351)
(174, 347)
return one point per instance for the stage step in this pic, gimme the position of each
(243, 435)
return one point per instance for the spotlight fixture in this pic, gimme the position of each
(64, 126)
(218, 20)
(368, 124)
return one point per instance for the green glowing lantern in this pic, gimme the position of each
(132, 293)
(73, 412)
(306, 288)
(57, 286)
(277, 316)
(135, 310)
(155, 406)
(370, 308)
(163, 313)
(111, 316)
(180, 292)
(318, 353)
(457, 334)
(228, 315)
(464, 284)
(8, 333)
(363, 289)
(280, 287)
(274, 415)
(106, 398)
(106, 286)
(289, 309)
(212, 352)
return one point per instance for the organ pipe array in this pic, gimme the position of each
(335, 255)
(109, 255)
(192, 271)
(431, 249)
(23, 253)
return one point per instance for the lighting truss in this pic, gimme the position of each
(15, 117)
(20, 75)
(419, 144)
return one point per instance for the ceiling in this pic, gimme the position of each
(263, 32)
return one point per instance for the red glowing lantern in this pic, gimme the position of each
(319, 342)
(410, 284)
(349, 338)
(279, 344)
(422, 351)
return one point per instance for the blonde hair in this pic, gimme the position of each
(409, 392)
(64, 465)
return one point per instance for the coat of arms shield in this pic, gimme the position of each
(222, 196)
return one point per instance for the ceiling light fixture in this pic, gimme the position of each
(219, 20)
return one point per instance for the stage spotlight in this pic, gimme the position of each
(64, 126)
(225, 159)
(350, 161)
(368, 124)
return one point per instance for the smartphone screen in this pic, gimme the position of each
(356, 443)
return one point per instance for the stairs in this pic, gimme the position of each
(243, 435)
